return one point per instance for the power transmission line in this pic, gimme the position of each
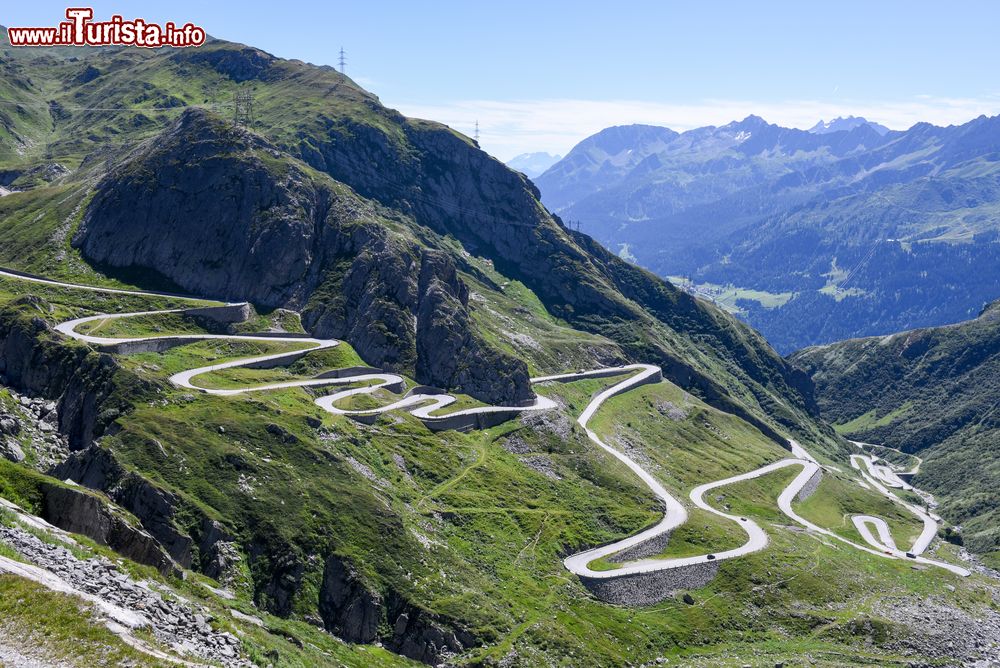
(243, 115)
(134, 110)
(243, 108)
(857, 268)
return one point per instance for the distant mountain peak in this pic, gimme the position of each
(751, 122)
(842, 124)
(533, 164)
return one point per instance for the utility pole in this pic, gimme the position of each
(343, 60)
(476, 135)
(243, 108)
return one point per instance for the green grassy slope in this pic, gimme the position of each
(472, 529)
(336, 129)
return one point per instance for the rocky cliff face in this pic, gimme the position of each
(96, 468)
(448, 353)
(440, 179)
(222, 213)
(357, 613)
(81, 512)
(80, 380)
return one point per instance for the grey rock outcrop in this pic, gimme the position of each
(284, 570)
(218, 552)
(11, 451)
(97, 469)
(10, 425)
(448, 354)
(222, 213)
(349, 609)
(239, 65)
(84, 513)
(357, 613)
(217, 221)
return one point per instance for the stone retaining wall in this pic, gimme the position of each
(649, 380)
(470, 421)
(811, 486)
(154, 345)
(649, 588)
(284, 360)
(644, 550)
(350, 371)
(226, 314)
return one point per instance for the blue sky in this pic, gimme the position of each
(543, 75)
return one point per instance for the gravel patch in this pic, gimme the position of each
(173, 623)
(671, 410)
(942, 631)
(31, 425)
(551, 422)
(541, 464)
(15, 654)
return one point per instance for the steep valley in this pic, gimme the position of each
(930, 393)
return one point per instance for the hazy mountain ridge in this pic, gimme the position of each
(533, 164)
(790, 211)
(846, 123)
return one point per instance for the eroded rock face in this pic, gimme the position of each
(11, 450)
(368, 298)
(284, 570)
(448, 355)
(357, 613)
(219, 219)
(79, 512)
(97, 469)
(223, 214)
(348, 608)
(218, 551)
(239, 65)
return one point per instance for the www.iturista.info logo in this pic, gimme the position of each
(81, 30)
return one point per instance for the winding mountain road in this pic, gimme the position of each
(423, 402)
(875, 475)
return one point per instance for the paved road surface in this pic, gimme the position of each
(422, 404)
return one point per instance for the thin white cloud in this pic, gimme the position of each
(366, 83)
(508, 128)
